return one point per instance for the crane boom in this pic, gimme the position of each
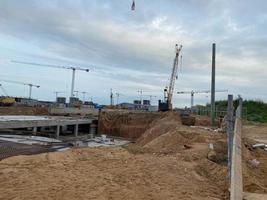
(48, 65)
(193, 92)
(173, 75)
(56, 66)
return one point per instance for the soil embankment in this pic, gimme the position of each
(127, 124)
(23, 110)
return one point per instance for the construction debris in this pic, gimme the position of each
(261, 146)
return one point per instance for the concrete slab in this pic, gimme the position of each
(20, 121)
(28, 139)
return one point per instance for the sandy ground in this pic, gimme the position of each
(257, 132)
(255, 177)
(169, 161)
(101, 173)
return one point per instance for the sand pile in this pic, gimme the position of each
(101, 173)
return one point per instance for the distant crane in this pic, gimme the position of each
(193, 92)
(133, 5)
(57, 66)
(28, 84)
(168, 92)
(3, 90)
(150, 97)
(140, 92)
(58, 92)
(76, 93)
(84, 93)
(111, 98)
(118, 96)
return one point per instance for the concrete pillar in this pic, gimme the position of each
(58, 132)
(34, 130)
(76, 130)
(230, 131)
(212, 101)
(92, 130)
(240, 102)
(64, 128)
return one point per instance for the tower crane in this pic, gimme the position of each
(84, 93)
(74, 69)
(111, 98)
(118, 97)
(21, 83)
(140, 92)
(3, 90)
(150, 97)
(193, 92)
(168, 92)
(76, 93)
(58, 92)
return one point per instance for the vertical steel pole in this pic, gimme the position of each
(72, 82)
(83, 97)
(240, 106)
(30, 91)
(230, 131)
(192, 99)
(212, 104)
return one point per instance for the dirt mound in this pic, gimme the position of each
(215, 174)
(175, 139)
(104, 173)
(188, 120)
(21, 110)
(169, 135)
(159, 127)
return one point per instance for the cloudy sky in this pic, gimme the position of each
(134, 50)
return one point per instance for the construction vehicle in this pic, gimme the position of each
(193, 92)
(166, 105)
(7, 101)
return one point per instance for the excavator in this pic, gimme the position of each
(166, 104)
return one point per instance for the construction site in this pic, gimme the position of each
(121, 145)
